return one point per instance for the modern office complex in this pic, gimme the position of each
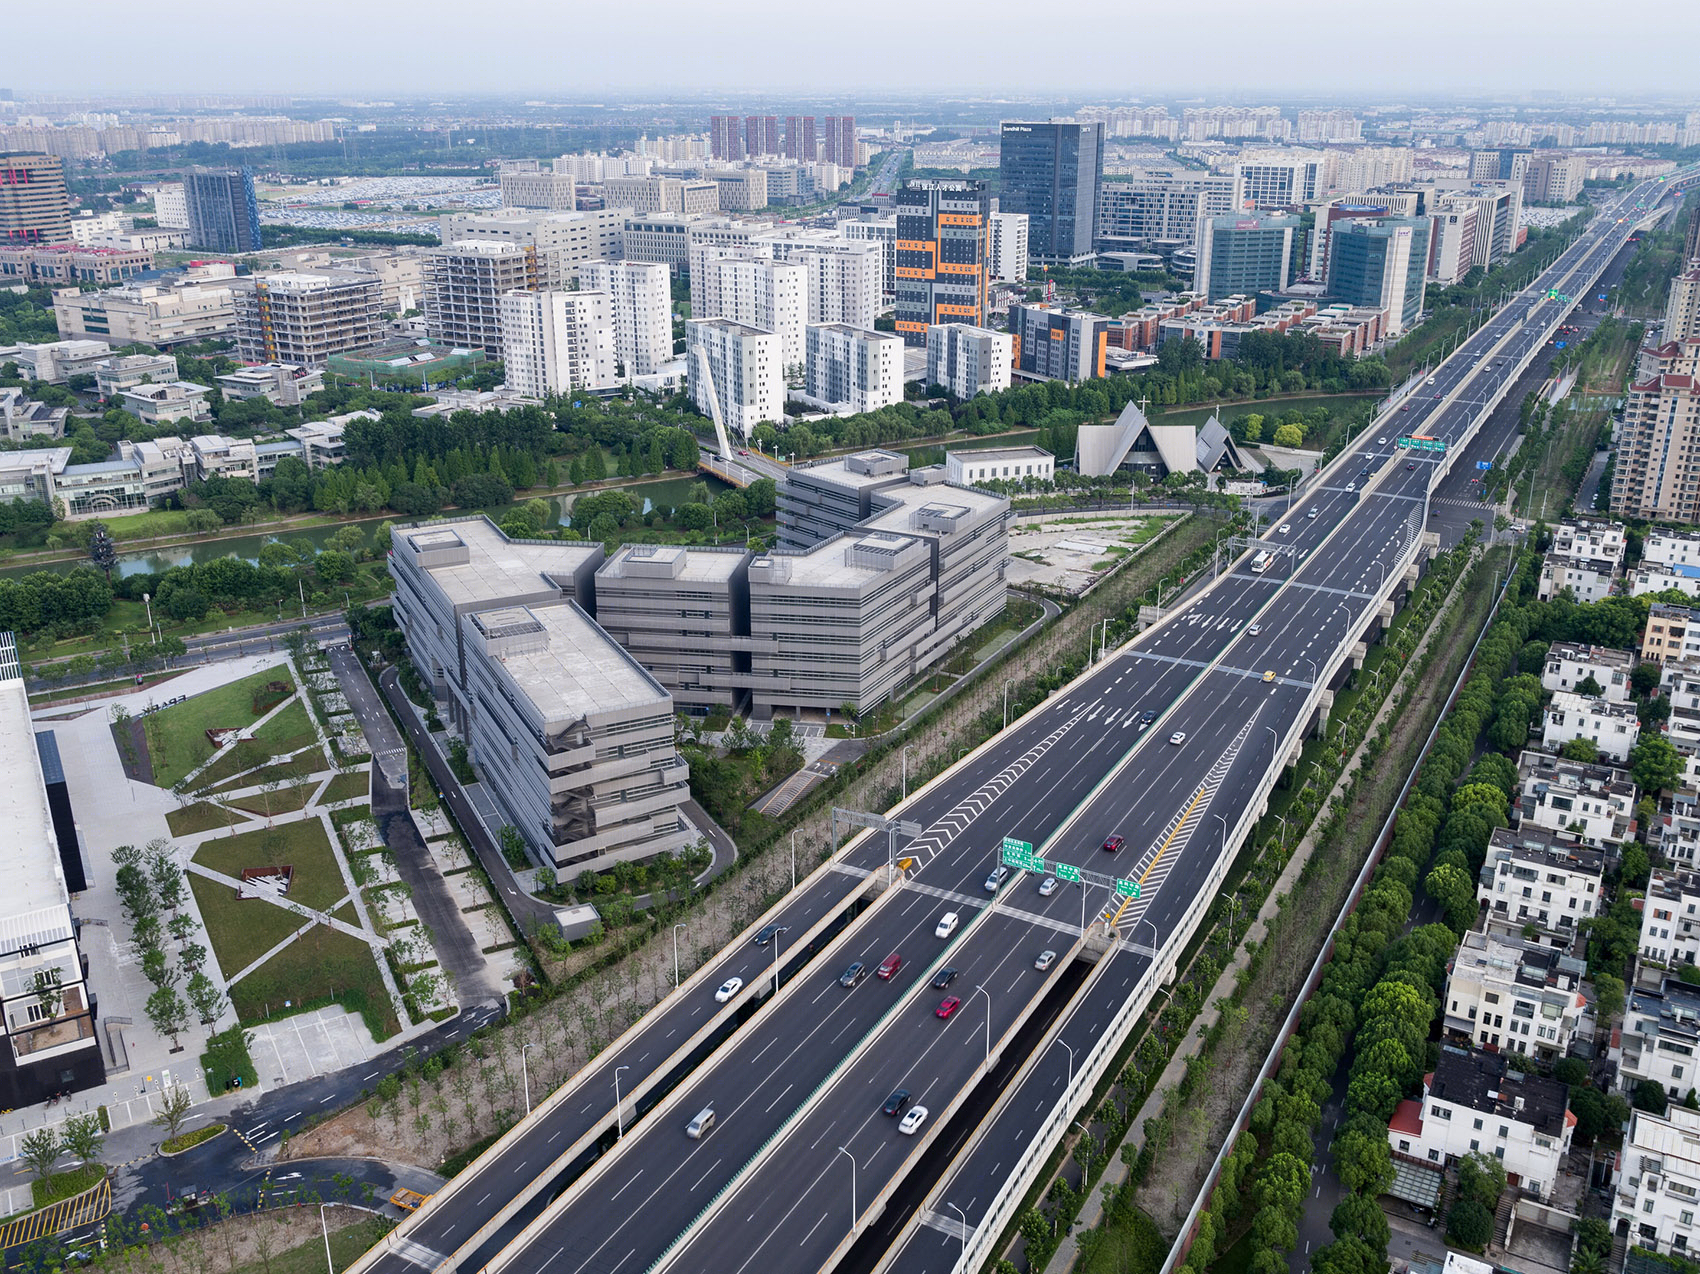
(1159, 209)
(745, 372)
(34, 205)
(1052, 172)
(564, 241)
(527, 184)
(663, 238)
(851, 369)
(1381, 264)
(644, 195)
(968, 360)
(464, 285)
(641, 303)
(291, 317)
(1053, 343)
(1272, 182)
(1244, 255)
(684, 614)
(160, 314)
(224, 212)
(554, 342)
(1009, 251)
(943, 255)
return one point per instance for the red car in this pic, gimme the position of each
(890, 965)
(947, 1006)
(1113, 845)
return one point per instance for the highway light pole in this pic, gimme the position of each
(852, 1158)
(793, 858)
(525, 1075)
(980, 990)
(1070, 1062)
(1006, 686)
(1314, 675)
(619, 1119)
(778, 935)
(959, 1212)
(678, 927)
(329, 1264)
(907, 748)
(1224, 822)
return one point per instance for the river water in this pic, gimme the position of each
(665, 491)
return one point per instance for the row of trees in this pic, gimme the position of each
(151, 883)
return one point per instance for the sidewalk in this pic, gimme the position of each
(1115, 1172)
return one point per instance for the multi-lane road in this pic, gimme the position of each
(797, 1079)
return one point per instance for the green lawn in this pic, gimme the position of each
(176, 736)
(62, 1185)
(303, 845)
(241, 932)
(323, 966)
(347, 1246)
(285, 800)
(232, 773)
(203, 816)
(347, 787)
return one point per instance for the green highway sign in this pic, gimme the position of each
(1020, 846)
(1422, 444)
(1022, 860)
(1127, 888)
(1066, 872)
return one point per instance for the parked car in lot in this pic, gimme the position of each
(1047, 886)
(728, 989)
(888, 966)
(994, 882)
(1045, 961)
(947, 924)
(912, 1121)
(854, 974)
(897, 1102)
(947, 1006)
(1113, 844)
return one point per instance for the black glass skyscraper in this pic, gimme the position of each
(224, 213)
(1052, 173)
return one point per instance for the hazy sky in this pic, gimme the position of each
(573, 48)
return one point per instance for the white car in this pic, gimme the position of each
(947, 925)
(728, 989)
(1047, 886)
(912, 1121)
(1253, 629)
(1286, 528)
(1381, 442)
(994, 882)
(1178, 737)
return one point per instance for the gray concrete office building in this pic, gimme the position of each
(684, 614)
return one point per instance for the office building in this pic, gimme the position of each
(641, 306)
(645, 195)
(799, 139)
(1053, 343)
(1474, 1103)
(527, 184)
(968, 360)
(735, 190)
(757, 292)
(1555, 179)
(1507, 993)
(126, 371)
(736, 371)
(1009, 247)
(1277, 181)
(664, 239)
(171, 206)
(1658, 1181)
(1159, 209)
(1244, 255)
(168, 402)
(285, 384)
(1053, 172)
(1452, 250)
(223, 210)
(943, 255)
(726, 137)
(1498, 209)
(999, 464)
(1657, 474)
(848, 369)
(51, 1042)
(1381, 264)
(684, 614)
(34, 205)
(1505, 163)
(564, 240)
(554, 342)
(464, 284)
(292, 317)
(56, 361)
(839, 142)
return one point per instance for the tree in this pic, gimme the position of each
(103, 553)
(1580, 750)
(1655, 765)
(1360, 1216)
(204, 994)
(1636, 866)
(1289, 435)
(41, 1150)
(1469, 1225)
(174, 1108)
(83, 1137)
(48, 992)
(168, 1014)
(1590, 686)
(1364, 1163)
(1649, 1095)
(1452, 889)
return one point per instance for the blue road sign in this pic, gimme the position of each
(1560, 344)
(1484, 464)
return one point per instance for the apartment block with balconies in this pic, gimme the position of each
(1540, 885)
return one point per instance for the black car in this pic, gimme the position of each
(854, 974)
(767, 934)
(945, 978)
(1146, 718)
(895, 1104)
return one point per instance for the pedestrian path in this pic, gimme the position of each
(67, 1214)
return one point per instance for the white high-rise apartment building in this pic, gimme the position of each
(746, 372)
(171, 206)
(1682, 311)
(563, 240)
(642, 299)
(968, 360)
(1274, 181)
(883, 231)
(756, 292)
(555, 342)
(845, 276)
(1009, 247)
(851, 370)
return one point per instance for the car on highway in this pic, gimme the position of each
(1286, 528)
(1351, 487)
(699, 1126)
(1364, 472)
(1313, 513)
(943, 978)
(1381, 442)
(1047, 886)
(728, 989)
(1406, 407)
(889, 966)
(1410, 464)
(1252, 630)
(897, 1102)
(1146, 718)
(1431, 380)
(1269, 675)
(947, 1006)
(912, 1121)
(854, 974)
(947, 925)
(769, 933)
(994, 882)
(1046, 959)
(1178, 737)
(1113, 844)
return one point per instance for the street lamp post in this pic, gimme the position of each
(678, 927)
(1314, 674)
(1070, 1061)
(525, 1075)
(980, 990)
(1006, 686)
(619, 1119)
(793, 858)
(1224, 822)
(323, 1225)
(959, 1212)
(852, 1158)
(907, 748)
(779, 934)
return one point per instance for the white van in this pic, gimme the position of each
(698, 1128)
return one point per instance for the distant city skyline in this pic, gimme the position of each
(1330, 50)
